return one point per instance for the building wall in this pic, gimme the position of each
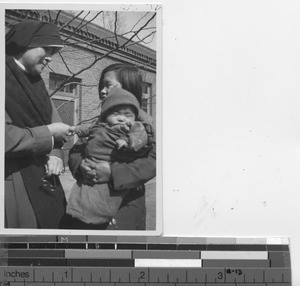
(77, 59)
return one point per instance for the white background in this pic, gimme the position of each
(231, 119)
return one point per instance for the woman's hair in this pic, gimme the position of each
(128, 75)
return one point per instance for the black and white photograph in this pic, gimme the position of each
(81, 119)
(163, 135)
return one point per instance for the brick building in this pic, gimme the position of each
(79, 100)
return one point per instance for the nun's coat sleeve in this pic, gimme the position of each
(21, 142)
(56, 151)
(35, 141)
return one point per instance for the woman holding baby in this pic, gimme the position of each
(124, 176)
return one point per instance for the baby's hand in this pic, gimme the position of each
(126, 126)
(121, 143)
(82, 130)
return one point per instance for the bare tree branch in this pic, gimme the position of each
(50, 18)
(95, 41)
(115, 29)
(90, 21)
(103, 56)
(79, 84)
(73, 19)
(77, 28)
(140, 29)
(139, 20)
(57, 16)
(66, 102)
(66, 65)
(87, 119)
(143, 39)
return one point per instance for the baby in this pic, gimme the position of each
(116, 136)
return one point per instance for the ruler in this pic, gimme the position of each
(137, 260)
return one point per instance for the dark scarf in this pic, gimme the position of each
(28, 104)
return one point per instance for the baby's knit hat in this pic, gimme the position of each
(118, 96)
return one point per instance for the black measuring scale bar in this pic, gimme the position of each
(135, 260)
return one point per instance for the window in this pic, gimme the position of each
(71, 86)
(146, 97)
(146, 88)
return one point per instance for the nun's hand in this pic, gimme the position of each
(61, 131)
(54, 166)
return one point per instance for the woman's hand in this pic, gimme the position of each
(95, 173)
(87, 169)
(61, 131)
(103, 172)
(54, 166)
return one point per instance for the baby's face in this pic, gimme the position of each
(120, 114)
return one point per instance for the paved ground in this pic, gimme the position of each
(68, 181)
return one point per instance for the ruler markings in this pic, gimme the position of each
(253, 275)
(235, 271)
(148, 274)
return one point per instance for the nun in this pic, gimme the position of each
(34, 133)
